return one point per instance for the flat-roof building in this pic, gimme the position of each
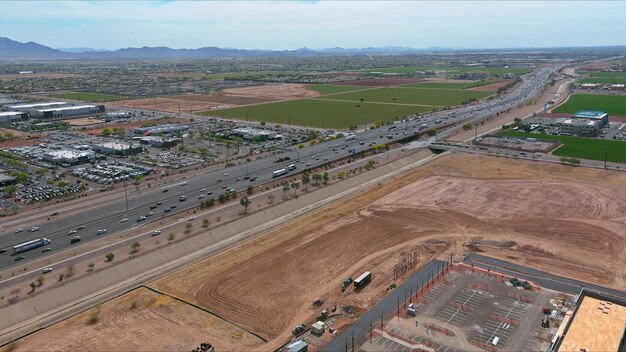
(69, 111)
(69, 156)
(601, 116)
(13, 116)
(254, 134)
(116, 148)
(597, 322)
(617, 86)
(580, 127)
(165, 128)
(35, 106)
(6, 180)
(158, 142)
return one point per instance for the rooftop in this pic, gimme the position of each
(597, 326)
(37, 105)
(68, 108)
(11, 113)
(587, 114)
(68, 153)
(115, 145)
(581, 122)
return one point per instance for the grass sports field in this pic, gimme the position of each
(606, 78)
(583, 148)
(324, 89)
(343, 110)
(320, 113)
(612, 104)
(494, 70)
(87, 96)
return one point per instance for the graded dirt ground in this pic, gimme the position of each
(286, 91)
(564, 220)
(156, 323)
(380, 82)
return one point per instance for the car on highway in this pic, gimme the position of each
(209, 193)
(153, 207)
(220, 180)
(101, 231)
(156, 233)
(19, 230)
(203, 190)
(150, 213)
(33, 229)
(2, 250)
(46, 270)
(182, 198)
(173, 206)
(80, 227)
(47, 249)
(71, 232)
(141, 218)
(183, 183)
(17, 259)
(201, 196)
(123, 220)
(75, 239)
(226, 174)
(159, 203)
(165, 190)
(55, 213)
(167, 210)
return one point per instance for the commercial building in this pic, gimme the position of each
(596, 322)
(116, 148)
(34, 106)
(69, 156)
(166, 128)
(601, 116)
(6, 180)
(617, 86)
(298, 346)
(580, 127)
(13, 116)
(158, 142)
(255, 134)
(69, 111)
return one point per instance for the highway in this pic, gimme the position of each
(109, 215)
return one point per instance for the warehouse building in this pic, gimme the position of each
(165, 128)
(617, 86)
(13, 116)
(116, 148)
(601, 116)
(69, 111)
(69, 157)
(254, 134)
(35, 106)
(158, 142)
(595, 322)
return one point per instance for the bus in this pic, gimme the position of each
(26, 246)
(280, 172)
(350, 137)
(363, 280)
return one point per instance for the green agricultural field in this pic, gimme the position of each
(319, 113)
(331, 89)
(87, 96)
(604, 80)
(448, 85)
(579, 147)
(609, 74)
(417, 96)
(494, 70)
(612, 104)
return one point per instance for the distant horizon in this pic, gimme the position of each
(290, 25)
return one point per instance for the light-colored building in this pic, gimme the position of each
(580, 127)
(589, 86)
(254, 134)
(601, 116)
(165, 128)
(158, 142)
(69, 111)
(116, 148)
(13, 116)
(69, 156)
(35, 106)
(617, 86)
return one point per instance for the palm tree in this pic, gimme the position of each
(245, 203)
(295, 186)
(285, 189)
(305, 181)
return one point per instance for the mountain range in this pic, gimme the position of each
(14, 50)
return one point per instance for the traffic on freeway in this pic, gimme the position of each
(88, 224)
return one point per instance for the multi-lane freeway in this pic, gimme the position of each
(109, 215)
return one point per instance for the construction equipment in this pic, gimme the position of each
(347, 282)
(323, 315)
(299, 329)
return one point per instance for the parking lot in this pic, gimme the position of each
(470, 311)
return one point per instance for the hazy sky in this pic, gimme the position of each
(314, 24)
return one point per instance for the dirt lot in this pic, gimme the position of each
(167, 104)
(150, 326)
(564, 220)
(273, 92)
(380, 82)
(85, 121)
(223, 99)
(549, 211)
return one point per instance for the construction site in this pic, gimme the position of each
(559, 219)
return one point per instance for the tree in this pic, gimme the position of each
(32, 287)
(325, 177)
(250, 190)
(90, 266)
(206, 222)
(245, 203)
(341, 174)
(221, 199)
(432, 131)
(40, 280)
(9, 190)
(13, 208)
(305, 181)
(188, 227)
(317, 178)
(467, 126)
(109, 257)
(20, 177)
(285, 190)
(295, 185)
(135, 247)
(171, 236)
(106, 132)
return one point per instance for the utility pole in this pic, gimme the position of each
(606, 155)
(476, 132)
(126, 196)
